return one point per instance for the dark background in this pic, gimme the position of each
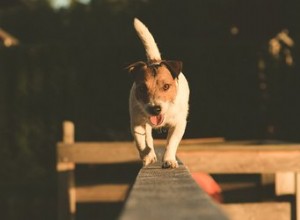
(70, 64)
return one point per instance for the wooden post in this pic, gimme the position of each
(66, 180)
(285, 183)
(297, 196)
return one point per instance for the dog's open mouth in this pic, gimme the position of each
(156, 120)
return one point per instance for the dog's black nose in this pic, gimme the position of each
(154, 110)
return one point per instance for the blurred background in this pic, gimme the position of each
(65, 59)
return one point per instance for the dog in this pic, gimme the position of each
(158, 98)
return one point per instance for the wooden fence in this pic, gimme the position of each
(172, 192)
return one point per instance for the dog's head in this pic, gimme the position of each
(156, 87)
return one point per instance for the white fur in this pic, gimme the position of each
(175, 112)
(147, 39)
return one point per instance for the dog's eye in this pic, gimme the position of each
(142, 88)
(166, 87)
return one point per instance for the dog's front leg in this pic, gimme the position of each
(151, 157)
(144, 143)
(174, 137)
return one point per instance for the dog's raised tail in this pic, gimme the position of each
(148, 41)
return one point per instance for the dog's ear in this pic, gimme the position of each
(174, 66)
(135, 67)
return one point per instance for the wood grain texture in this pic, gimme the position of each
(285, 183)
(297, 196)
(192, 141)
(109, 152)
(241, 157)
(168, 194)
(102, 193)
(258, 211)
(101, 152)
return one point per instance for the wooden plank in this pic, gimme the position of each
(240, 159)
(102, 193)
(280, 156)
(241, 162)
(192, 141)
(249, 146)
(115, 152)
(258, 211)
(297, 200)
(101, 152)
(285, 183)
(168, 194)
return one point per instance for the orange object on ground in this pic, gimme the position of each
(209, 185)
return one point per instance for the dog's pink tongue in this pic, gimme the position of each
(156, 120)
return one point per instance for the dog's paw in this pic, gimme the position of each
(150, 158)
(170, 164)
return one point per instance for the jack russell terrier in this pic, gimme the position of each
(158, 98)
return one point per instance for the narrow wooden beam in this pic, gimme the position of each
(168, 194)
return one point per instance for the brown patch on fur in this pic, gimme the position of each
(155, 83)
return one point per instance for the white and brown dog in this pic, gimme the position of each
(158, 98)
